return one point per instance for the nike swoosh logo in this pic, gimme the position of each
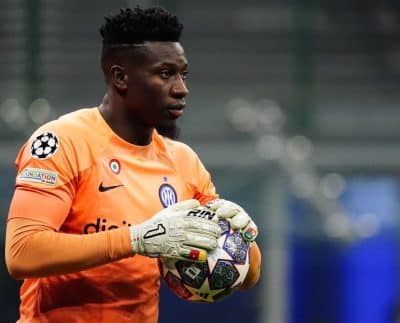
(107, 188)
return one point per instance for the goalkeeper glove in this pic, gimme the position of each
(236, 215)
(174, 233)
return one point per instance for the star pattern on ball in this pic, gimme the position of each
(214, 256)
(236, 247)
(210, 281)
(44, 145)
(206, 296)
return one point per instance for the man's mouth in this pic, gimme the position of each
(176, 111)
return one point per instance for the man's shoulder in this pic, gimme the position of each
(75, 131)
(71, 137)
(79, 119)
(72, 124)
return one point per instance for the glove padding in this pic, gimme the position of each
(174, 233)
(236, 215)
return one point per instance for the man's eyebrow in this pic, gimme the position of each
(172, 64)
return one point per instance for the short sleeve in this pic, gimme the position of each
(205, 189)
(46, 177)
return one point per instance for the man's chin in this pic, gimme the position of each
(168, 129)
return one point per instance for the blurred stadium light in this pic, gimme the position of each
(292, 155)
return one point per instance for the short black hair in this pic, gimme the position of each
(137, 25)
(122, 32)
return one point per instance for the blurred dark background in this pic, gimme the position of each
(294, 108)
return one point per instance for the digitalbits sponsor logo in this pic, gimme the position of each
(167, 195)
(103, 224)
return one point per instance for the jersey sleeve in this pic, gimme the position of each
(195, 173)
(46, 177)
(205, 189)
(35, 250)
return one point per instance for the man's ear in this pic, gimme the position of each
(118, 77)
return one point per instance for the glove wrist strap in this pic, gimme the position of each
(135, 240)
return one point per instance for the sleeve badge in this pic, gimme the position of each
(44, 145)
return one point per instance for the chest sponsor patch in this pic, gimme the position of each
(37, 175)
(167, 195)
(44, 145)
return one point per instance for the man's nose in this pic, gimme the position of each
(179, 87)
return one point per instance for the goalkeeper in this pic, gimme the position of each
(102, 191)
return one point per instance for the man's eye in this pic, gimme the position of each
(184, 75)
(165, 74)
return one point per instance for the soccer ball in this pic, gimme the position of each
(223, 272)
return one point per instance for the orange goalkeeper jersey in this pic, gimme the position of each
(78, 176)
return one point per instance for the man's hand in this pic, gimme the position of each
(237, 216)
(173, 233)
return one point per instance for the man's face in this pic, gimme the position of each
(156, 85)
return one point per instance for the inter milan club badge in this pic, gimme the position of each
(167, 195)
(44, 145)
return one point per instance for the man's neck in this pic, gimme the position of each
(126, 127)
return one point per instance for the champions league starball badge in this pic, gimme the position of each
(44, 145)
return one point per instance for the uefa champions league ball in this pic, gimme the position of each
(223, 272)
